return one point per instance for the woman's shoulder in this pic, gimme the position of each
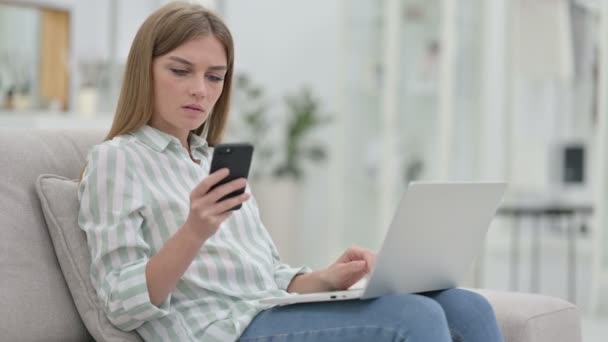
(115, 154)
(120, 147)
(119, 143)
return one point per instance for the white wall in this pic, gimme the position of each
(90, 31)
(90, 34)
(599, 293)
(130, 15)
(18, 30)
(19, 44)
(90, 27)
(284, 44)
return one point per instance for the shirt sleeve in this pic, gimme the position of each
(111, 200)
(283, 273)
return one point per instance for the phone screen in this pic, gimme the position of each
(237, 158)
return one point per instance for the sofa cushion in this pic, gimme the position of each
(59, 200)
(534, 317)
(35, 303)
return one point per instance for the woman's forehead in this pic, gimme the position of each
(203, 51)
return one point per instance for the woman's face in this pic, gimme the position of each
(187, 83)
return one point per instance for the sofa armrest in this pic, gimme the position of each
(525, 317)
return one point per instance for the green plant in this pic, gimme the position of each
(304, 117)
(253, 124)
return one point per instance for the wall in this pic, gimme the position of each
(19, 44)
(283, 45)
(91, 34)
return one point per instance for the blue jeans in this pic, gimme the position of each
(439, 316)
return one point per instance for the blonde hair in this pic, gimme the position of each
(163, 31)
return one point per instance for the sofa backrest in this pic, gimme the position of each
(35, 303)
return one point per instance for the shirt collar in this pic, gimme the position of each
(159, 140)
(198, 143)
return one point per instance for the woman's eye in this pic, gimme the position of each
(214, 78)
(179, 72)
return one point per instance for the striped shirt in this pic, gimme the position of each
(134, 196)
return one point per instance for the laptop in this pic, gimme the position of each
(432, 241)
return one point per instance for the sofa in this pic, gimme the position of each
(44, 289)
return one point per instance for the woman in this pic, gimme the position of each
(173, 263)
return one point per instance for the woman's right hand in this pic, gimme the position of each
(206, 213)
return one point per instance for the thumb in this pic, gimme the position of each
(355, 266)
(344, 275)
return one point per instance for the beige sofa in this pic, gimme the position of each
(39, 298)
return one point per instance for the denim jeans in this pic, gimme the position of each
(439, 316)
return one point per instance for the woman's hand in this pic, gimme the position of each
(350, 267)
(206, 213)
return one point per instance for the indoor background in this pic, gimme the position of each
(373, 95)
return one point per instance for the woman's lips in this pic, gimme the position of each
(193, 110)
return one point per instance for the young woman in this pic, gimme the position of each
(173, 263)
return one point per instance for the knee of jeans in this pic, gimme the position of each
(414, 309)
(468, 299)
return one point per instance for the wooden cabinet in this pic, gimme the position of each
(54, 56)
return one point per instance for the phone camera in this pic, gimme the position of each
(228, 150)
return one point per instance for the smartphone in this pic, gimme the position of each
(235, 157)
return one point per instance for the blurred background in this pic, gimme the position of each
(349, 101)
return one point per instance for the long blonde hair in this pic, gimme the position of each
(163, 31)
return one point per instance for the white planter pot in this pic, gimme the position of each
(278, 202)
(87, 102)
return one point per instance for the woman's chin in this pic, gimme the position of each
(192, 123)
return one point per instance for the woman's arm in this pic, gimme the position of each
(164, 269)
(133, 285)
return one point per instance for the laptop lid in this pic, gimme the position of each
(437, 231)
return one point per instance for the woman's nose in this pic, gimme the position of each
(199, 88)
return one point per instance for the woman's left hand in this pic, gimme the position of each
(350, 267)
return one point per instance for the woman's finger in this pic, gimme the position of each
(346, 270)
(227, 204)
(370, 259)
(203, 187)
(356, 266)
(350, 273)
(225, 189)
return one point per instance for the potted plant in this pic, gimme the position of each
(285, 158)
(252, 123)
(303, 118)
(280, 197)
(283, 147)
